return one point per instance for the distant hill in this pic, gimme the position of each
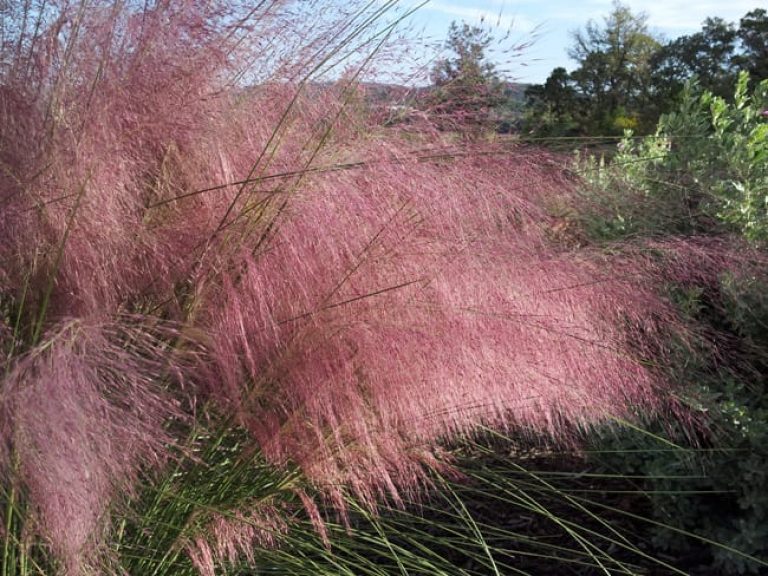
(397, 94)
(383, 94)
(515, 91)
(407, 104)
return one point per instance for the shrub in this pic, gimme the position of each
(702, 173)
(706, 163)
(714, 490)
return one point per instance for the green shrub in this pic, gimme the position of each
(710, 497)
(706, 166)
(704, 172)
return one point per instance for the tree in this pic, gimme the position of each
(753, 33)
(627, 79)
(614, 68)
(714, 55)
(709, 55)
(557, 91)
(551, 107)
(467, 86)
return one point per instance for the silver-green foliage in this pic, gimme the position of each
(708, 160)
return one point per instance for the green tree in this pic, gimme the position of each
(557, 92)
(709, 55)
(715, 56)
(551, 106)
(753, 33)
(467, 86)
(614, 73)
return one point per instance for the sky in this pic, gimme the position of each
(547, 25)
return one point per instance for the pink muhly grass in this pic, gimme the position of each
(404, 303)
(109, 110)
(80, 414)
(230, 539)
(352, 302)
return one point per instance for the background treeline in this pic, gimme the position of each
(627, 77)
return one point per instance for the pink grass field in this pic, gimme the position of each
(188, 222)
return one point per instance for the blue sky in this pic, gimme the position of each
(550, 23)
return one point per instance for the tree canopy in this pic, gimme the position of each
(626, 77)
(467, 85)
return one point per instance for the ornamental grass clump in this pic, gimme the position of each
(191, 233)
